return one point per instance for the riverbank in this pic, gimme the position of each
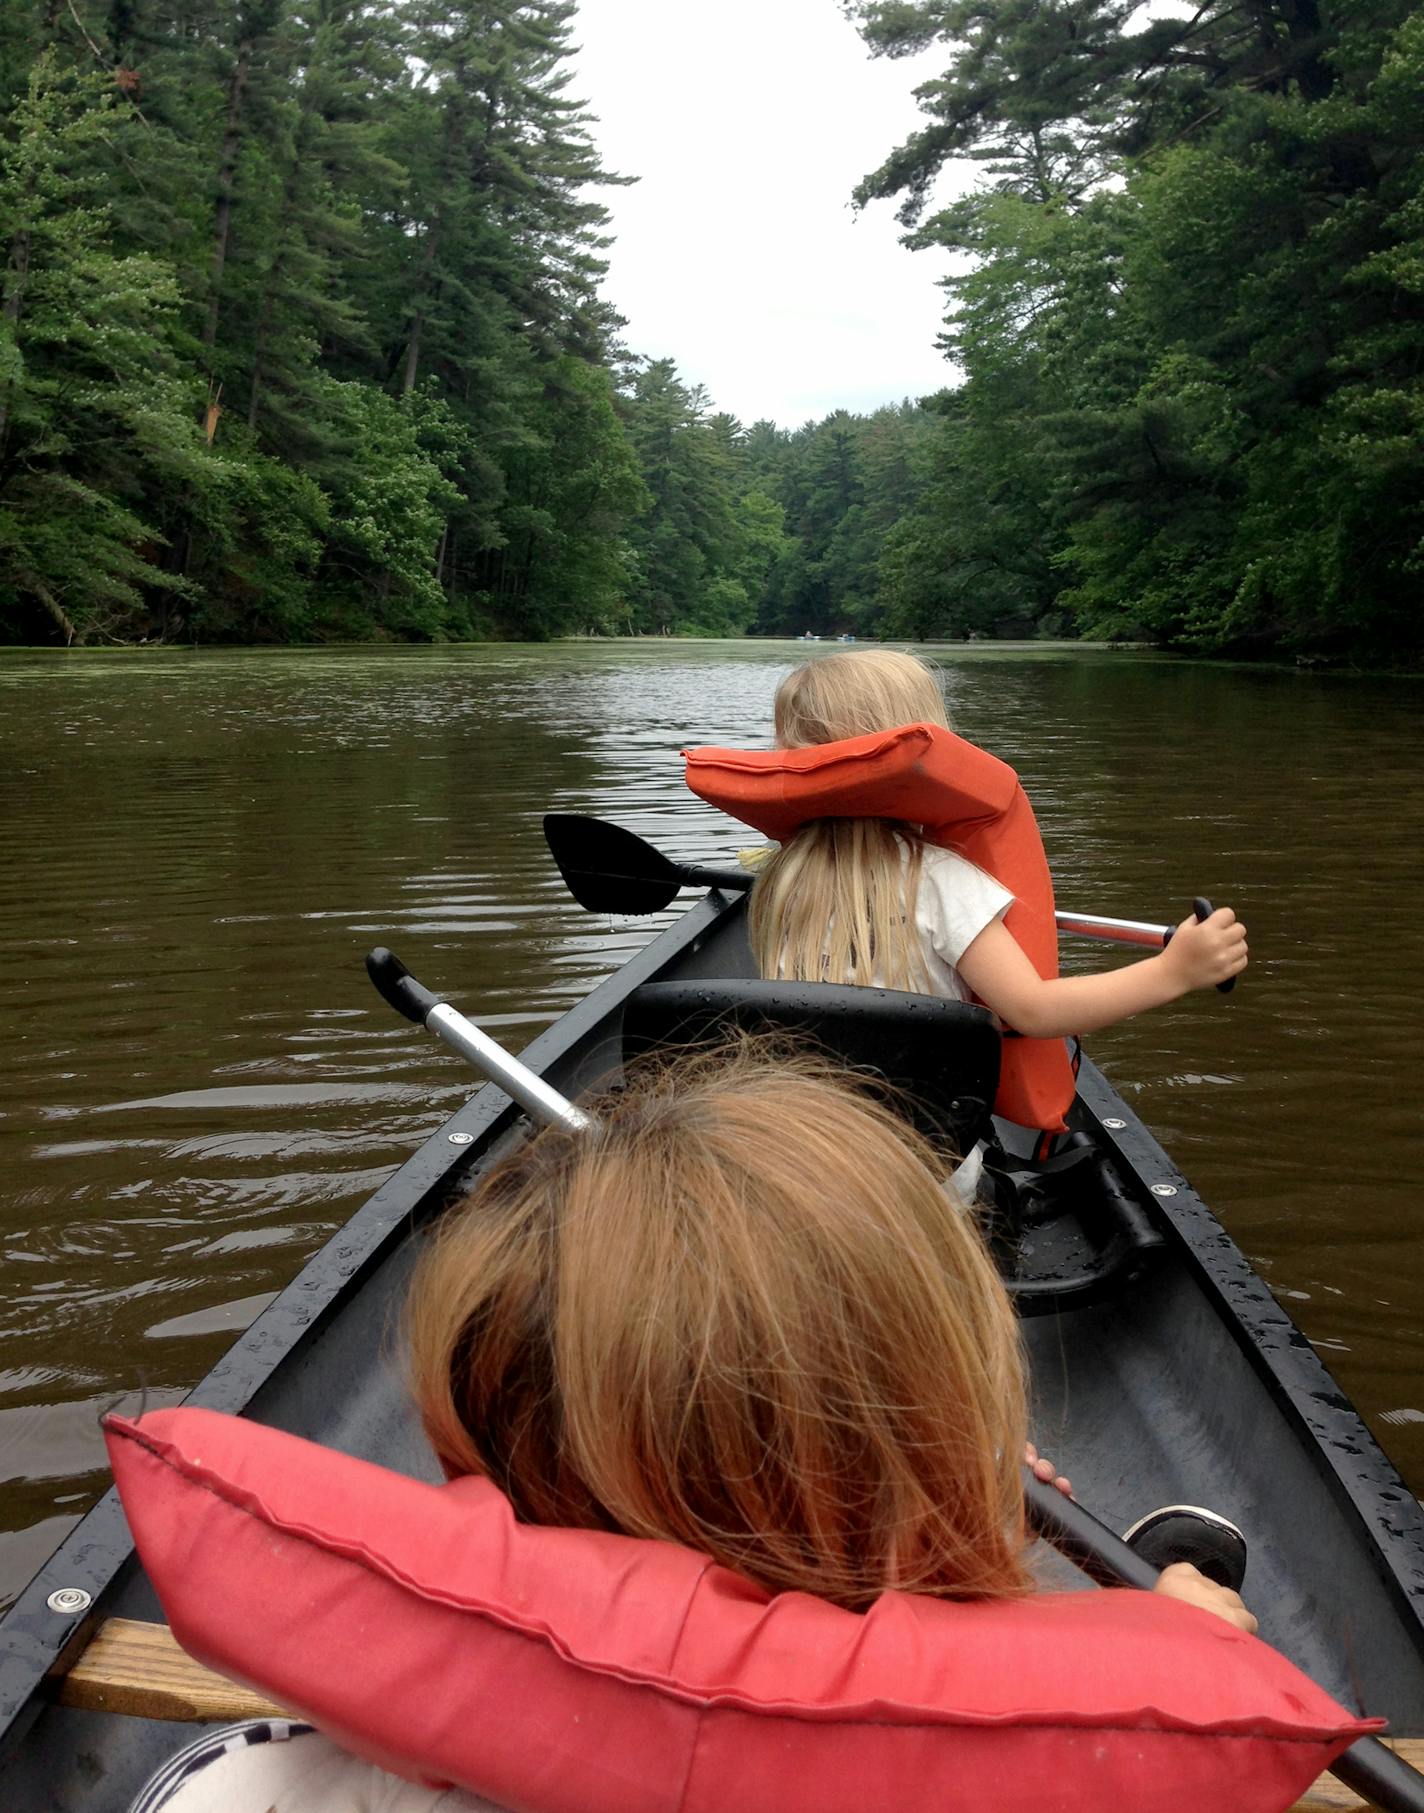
(981, 646)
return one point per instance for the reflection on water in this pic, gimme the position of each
(197, 1084)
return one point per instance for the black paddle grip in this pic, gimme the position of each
(1101, 1553)
(730, 881)
(395, 984)
(1201, 906)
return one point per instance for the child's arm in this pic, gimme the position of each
(1200, 955)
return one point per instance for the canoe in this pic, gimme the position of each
(1164, 1371)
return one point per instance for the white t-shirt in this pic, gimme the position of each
(956, 900)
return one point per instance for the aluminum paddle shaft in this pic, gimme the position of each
(395, 984)
(1114, 931)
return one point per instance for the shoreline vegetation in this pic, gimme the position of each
(302, 342)
(987, 646)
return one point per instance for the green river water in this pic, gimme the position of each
(197, 1085)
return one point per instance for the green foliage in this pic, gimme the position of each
(253, 548)
(300, 332)
(1192, 393)
(702, 548)
(389, 500)
(91, 423)
(563, 565)
(844, 483)
(301, 338)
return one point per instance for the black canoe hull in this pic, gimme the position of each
(1191, 1385)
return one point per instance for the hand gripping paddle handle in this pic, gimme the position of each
(1202, 908)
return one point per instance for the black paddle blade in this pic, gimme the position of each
(608, 869)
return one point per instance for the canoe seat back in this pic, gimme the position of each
(941, 1057)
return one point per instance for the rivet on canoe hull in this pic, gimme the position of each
(69, 1600)
(461, 1139)
(1164, 1189)
(1114, 1124)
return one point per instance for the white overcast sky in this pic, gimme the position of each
(749, 122)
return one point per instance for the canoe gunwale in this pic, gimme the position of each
(1331, 1429)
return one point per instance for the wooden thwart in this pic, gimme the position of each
(1330, 1796)
(137, 1668)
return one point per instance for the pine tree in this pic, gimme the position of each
(690, 547)
(93, 416)
(1191, 392)
(573, 487)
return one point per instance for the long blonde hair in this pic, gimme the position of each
(740, 1315)
(835, 903)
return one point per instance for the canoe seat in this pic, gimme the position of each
(1065, 1233)
(137, 1668)
(941, 1057)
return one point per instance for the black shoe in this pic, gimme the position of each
(1188, 1533)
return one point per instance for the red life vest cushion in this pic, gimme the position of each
(966, 799)
(569, 1671)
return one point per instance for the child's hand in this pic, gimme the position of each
(1046, 1471)
(1183, 1581)
(1208, 951)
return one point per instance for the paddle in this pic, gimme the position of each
(610, 870)
(1368, 1766)
(395, 984)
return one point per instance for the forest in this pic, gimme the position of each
(303, 339)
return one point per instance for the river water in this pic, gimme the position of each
(197, 1085)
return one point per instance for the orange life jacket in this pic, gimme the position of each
(966, 799)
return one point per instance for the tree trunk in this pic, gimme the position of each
(17, 269)
(427, 262)
(255, 392)
(417, 320)
(264, 323)
(227, 170)
(56, 610)
(279, 263)
(412, 353)
(1308, 40)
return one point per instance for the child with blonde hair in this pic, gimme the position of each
(696, 1322)
(871, 901)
